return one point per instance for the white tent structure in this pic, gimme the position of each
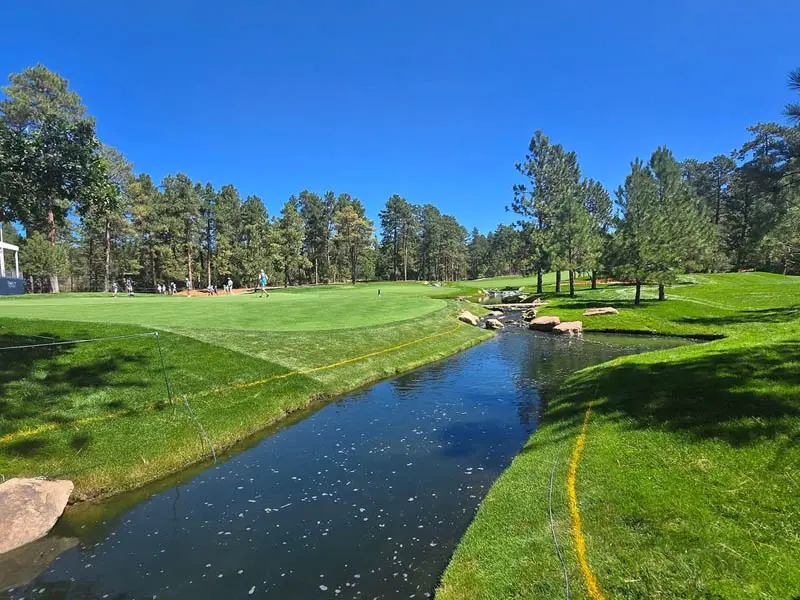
(10, 273)
(9, 250)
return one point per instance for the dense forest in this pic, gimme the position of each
(84, 218)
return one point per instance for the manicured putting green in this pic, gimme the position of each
(318, 309)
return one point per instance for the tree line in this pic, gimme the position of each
(85, 213)
(734, 212)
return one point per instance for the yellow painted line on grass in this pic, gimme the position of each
(577, 533)
(25, 433)
(248, 384)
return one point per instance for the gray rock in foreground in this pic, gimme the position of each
(493, 324)
(29, 508)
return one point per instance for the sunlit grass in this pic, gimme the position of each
(99, 413)
(689, 482)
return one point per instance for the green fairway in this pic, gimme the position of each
(687, 483)
(98, 413)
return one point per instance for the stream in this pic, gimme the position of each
(365, 497)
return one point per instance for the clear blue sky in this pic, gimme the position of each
(431, 99)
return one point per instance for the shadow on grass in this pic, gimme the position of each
(741, 396)
(583, 303)
(42, 384)
(762, 315)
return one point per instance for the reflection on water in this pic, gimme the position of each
(365, 498)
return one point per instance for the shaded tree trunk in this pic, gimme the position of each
(405, 258)
(90, 262)
(208, 254)
(571, 283)
(51, 234)
(153, 264)
(558, 281)
(539, 281)
(661, 292)
(638, 297)
(107, 274)
(594, 280)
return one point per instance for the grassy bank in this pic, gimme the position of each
(688, 481)
(98, 413)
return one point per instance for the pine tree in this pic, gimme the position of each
(291, 234)
(534, 201)
(598, 204)
(638, 203)
(256, 247)
(353, 235)
(315, 218)
(182, 216)
(227, 232)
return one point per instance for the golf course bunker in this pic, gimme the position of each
(365, 498)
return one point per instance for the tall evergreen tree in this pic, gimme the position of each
(600, 207)
(182, 214)
(637, 200)
(400, 228)
(534, 201)
(353, 235)
(207, 197)
(317, 230)
(228, 231)
(478, 255)
(291, 234)
(256, 244)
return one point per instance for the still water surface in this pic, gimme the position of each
(365, 498)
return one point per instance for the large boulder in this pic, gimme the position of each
(529, 314)
(605, 310)
(493, 324)
(495, 313)
(467, 317)
(569, 327)
(544, 323)
(29, 508)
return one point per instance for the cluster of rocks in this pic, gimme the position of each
(553, 324)
(490, 322)
(549, 324)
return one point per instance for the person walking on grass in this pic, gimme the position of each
(229, 287)
(262, 283)
(115, 288)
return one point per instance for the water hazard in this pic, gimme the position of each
(365, 498)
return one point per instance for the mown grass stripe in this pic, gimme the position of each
(26, 433)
